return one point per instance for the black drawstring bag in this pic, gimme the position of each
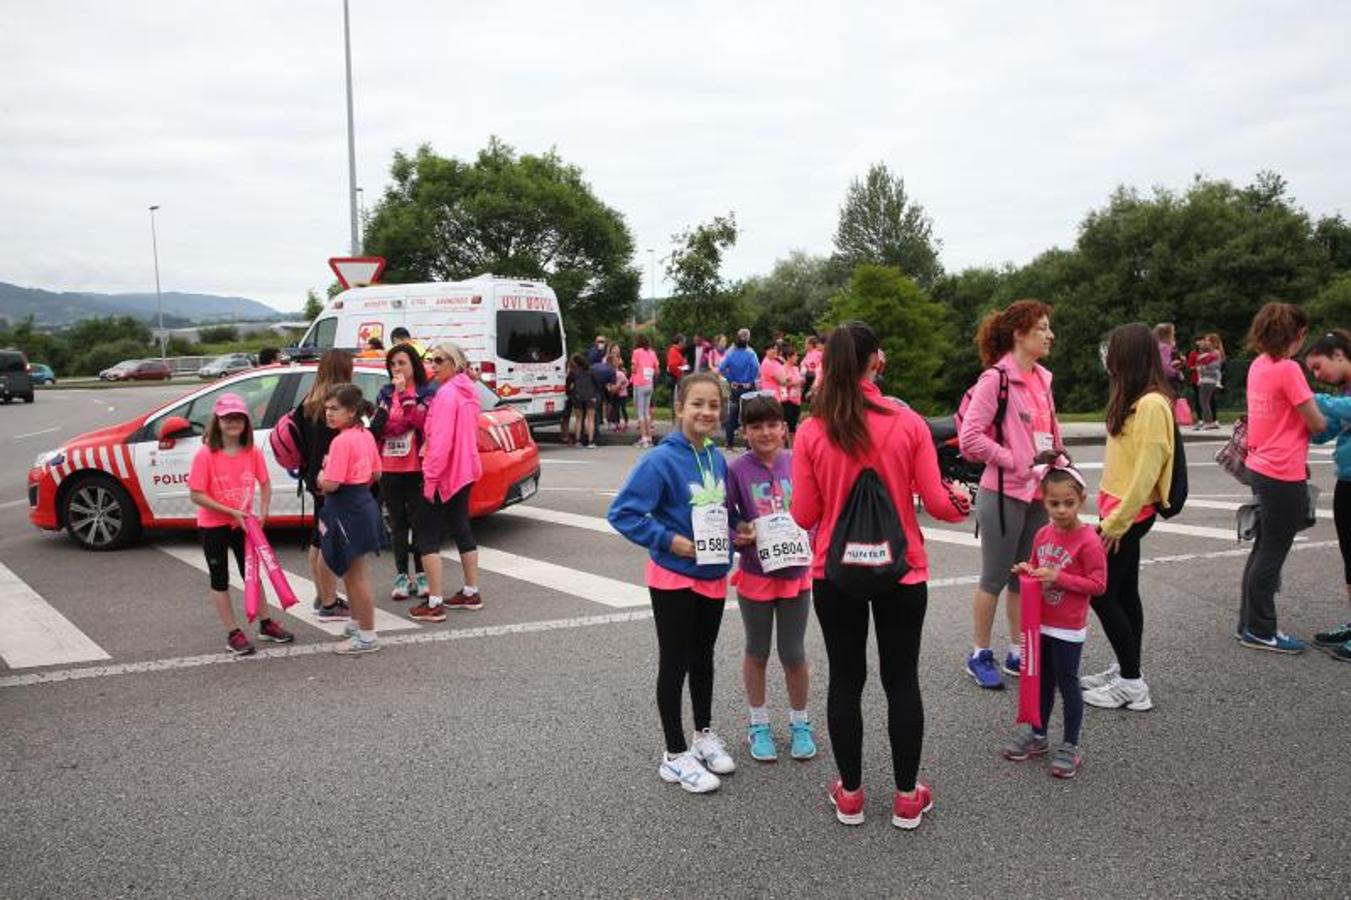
(867, 548)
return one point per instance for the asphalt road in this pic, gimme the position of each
(513, 750)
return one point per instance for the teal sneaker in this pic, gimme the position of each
(804, 745)
(761, 739)
(402, 587)
(422, 589)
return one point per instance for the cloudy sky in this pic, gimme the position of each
(1008, 121)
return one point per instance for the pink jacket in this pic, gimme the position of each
(1019, 450)
(406, 415)
(451, 458)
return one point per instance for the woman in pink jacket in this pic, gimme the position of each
(853, 428)
(1008, 510)
(450, 466)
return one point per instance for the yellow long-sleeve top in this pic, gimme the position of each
(1138, 465)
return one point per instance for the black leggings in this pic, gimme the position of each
(218, 543)
(1119, 608)
(687, 629)
(435, 517)
(1341, 514)
(402, 494)
(1060, 669)
(899, 614)
(1281, 506)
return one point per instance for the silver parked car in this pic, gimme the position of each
(229, 364)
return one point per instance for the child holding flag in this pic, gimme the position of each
(1067, 567)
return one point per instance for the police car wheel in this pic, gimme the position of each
(100, 515)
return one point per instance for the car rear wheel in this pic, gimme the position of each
(29, 397)
(100, 514)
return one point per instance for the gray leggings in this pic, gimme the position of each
(999, 551)
(642, 399)
(758, 617)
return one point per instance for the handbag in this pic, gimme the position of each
(1233, 456)
(1248, 516)
(1182, 412)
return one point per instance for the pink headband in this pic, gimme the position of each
(1040, 472)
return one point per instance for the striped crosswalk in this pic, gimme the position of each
(33, 633)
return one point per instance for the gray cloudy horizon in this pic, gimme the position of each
(1007, 123)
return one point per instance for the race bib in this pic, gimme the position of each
(1045, 441)
(399, 446)
(648, 372)
(712, 546)
(780, 543)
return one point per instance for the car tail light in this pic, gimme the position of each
(520, 433)
(487, 443)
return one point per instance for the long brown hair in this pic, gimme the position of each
(1275, 327)
(1000, 327)
(839, 401)
(1134, 368)
(335, 367)
(1216, 343)
(214, 439)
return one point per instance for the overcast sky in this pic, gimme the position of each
(1008, 121)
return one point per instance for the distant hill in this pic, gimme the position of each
(52, 310)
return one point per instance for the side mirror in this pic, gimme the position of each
(171, 429)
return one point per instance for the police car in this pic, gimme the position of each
(106, 486)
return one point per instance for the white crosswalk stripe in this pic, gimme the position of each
(304, 588)
(34, 633)
(596, 588)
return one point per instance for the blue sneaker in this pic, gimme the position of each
(804, 745)
(1280, 642)
(761, 739)
(981, 667)
(1011, 664)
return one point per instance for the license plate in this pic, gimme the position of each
(528, 488)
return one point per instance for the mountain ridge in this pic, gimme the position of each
(54, 309)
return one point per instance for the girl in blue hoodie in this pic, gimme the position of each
(1329, 359)
(673, 503)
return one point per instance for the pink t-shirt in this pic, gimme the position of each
(764, 588)
(1107, 505)
(644, 367)
(664, 579)
(1278, 439)
(226, 479)
(1079, 559)
(352, 458)
(811, 362)
(771, 370)
(794, 383)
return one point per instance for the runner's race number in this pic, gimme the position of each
(780, 543)
(712, 546)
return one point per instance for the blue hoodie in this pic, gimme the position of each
(654, 504)
(1337, 410)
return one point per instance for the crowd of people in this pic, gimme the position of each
(824, 523)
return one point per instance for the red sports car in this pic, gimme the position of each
(105, 486)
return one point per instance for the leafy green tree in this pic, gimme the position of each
(39, 346)
(1331, 308)
(526, 216)
(880, 224)
(701, 299)
(793, 296)
(910, 325)
(314, 305)
(218, 334)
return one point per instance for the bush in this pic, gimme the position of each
(218, 334)
(106, 355)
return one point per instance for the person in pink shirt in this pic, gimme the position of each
(792, 401)
(450, 467)
(773, 378)
(350, 525)
(643, 379)
(1071, 566)
(854, 428)
(222, 484)
(1282, 415)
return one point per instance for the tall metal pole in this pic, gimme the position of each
(361, 216)
(652, 267)
(351, 135)
(159, 302)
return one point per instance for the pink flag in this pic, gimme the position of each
(1029, 678)
(253, 584)
(257, 551)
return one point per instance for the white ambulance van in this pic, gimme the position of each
(511, 330)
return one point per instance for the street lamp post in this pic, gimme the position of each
(652, 283)
(159, 303)
(361, 217)
(351, 135)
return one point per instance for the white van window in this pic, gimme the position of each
(528, 336)
(322, 334)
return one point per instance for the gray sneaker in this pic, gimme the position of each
(1066, 761)
(1024, 744)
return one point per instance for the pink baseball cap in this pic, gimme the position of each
(231, 405)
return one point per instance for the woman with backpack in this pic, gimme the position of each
(1137, 480)
(859, 451)
(1008, 422)
(335, 368)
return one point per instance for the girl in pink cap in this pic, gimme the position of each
(222, 481)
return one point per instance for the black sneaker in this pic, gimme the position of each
(337, 612)
(1334, 637)
(1342, 653)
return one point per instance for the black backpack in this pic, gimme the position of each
(867, 549)
(1177, 490)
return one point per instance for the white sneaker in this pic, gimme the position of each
(1131, 693)
(688, 772)
(708, 749)
(1092, 682)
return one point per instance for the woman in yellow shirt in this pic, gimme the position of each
(1137, 472)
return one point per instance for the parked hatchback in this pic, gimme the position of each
(138, 370)
(229, 364)
(42, 373)
(15, 379)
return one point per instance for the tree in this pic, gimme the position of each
(218, 334)
(793, 296)
(1331, 308)
(314, 305)
(525, 216)
(701, 299)
(881, 225)
(910, 325)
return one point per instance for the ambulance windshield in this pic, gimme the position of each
(529, 336)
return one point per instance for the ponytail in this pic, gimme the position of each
(1000, 328)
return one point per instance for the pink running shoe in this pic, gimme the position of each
(848, 804)
(909, 811)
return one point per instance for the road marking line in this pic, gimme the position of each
(33, 633)
(29, 434)
(596, 588)
(297, 650)
(559, 517)
(1231, 507)
(302, 611)
(1162, 527)
(11, 503)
